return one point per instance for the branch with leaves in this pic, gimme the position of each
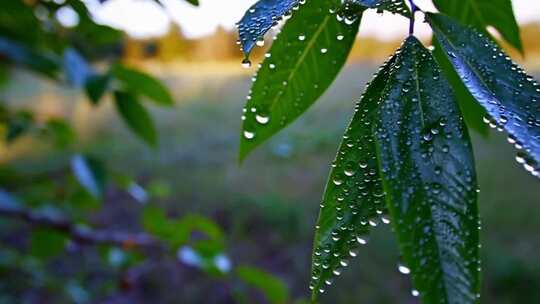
(406, 157)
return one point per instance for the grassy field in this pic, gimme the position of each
(268, 205)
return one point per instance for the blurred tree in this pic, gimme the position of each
(58, 204)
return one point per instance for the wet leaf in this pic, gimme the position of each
(429, 178)
(141, 83)
(473, 113)
(273, 288)
(302, 63)
(509, 95)
(259, 18)
(393, 6)
(353, 199)
(136, 117)
(483, 13)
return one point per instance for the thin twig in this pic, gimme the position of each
(414, 9)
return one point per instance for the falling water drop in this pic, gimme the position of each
(246, 63)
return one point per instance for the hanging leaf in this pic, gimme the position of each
(354, 198)
(473, 113)
(96, 86)
(483, 13)
(510, 96)
(141, 83)
(393, 6)
(136, 117)
(260, 17)
(302, 63)
(429, 178)
(194, 2)
(90, 173)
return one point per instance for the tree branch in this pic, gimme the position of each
(82, 234)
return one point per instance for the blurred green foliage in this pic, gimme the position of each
(48, 214)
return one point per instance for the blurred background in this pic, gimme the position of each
(235, 234)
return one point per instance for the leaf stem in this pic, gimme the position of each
(414, 9)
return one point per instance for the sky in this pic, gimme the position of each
(144, 18)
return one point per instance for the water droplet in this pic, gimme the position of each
(337, 181)
(361, 241)
(403, 269)
(249, 135)
(262, 119)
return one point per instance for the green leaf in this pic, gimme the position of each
(393, 6)
(18, 124)
(353, 196)
(429, 178)
(90, 173)
(304, 60)
(96, 86)
(29, 57)
(46, 243)
(143, 84)
(473, 113)
(194, 2)
(510, 96)
(259, 18)
(178, 231)
(483, 13)
(273, 288)
(136, 117)
(60, 131)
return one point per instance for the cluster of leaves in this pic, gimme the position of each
(32, 38)
(406, 157)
